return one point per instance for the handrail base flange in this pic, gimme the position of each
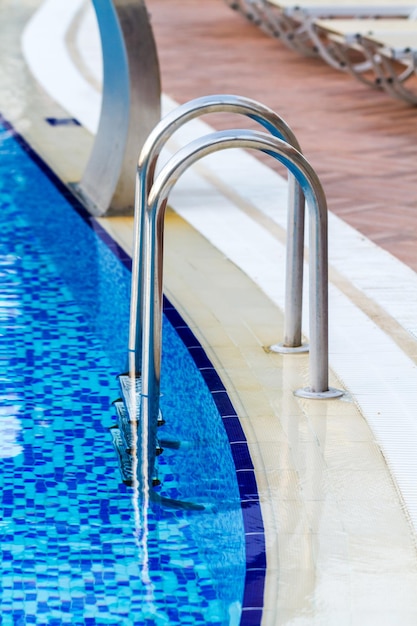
(281, 348)
(331, 393)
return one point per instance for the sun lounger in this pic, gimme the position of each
(293, 22)
(347, 8)
(379, 53)
(253, 10)
(394, 56)
(339, 43)
(375, 40)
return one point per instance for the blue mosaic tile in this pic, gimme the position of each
(251, 617)
(252, 516)
(224, 406)
(254, 588)
(212, 379)
(241, 456)
(199, 357)
(62, 121)
(247, 484)
(173, 316)
(255, 552)
(73, 551)
(187, 336)
(234, 430)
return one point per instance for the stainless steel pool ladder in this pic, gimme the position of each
(148, 158)
(145, 334)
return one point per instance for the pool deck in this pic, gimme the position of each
(336, 478)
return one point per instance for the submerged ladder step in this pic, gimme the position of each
(131, 389)
(124, 433)
(127, 427)
(123, 457)
(124, 438)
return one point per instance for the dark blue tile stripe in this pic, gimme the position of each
(251, 510)
(62, 121)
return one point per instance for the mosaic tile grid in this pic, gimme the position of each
(74, 549)
(251, 510)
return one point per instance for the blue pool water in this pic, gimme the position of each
(76, 546)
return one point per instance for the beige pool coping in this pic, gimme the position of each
(340, 544)
(330, 507)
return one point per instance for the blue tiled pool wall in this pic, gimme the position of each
(103, 357)
(249, 498)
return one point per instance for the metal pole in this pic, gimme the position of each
(294, 270)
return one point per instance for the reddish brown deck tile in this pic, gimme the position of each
(361, 142)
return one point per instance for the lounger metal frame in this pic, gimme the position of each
(372, 62)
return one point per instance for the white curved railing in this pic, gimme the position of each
(131, 106)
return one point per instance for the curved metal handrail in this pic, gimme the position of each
(148, 158)
(131, 105)
(153, 265)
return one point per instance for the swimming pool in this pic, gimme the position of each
(77, 547)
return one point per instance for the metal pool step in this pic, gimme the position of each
(131, 388)
(125, 425)
(123, 457)
(125, 441)
(125, 431)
